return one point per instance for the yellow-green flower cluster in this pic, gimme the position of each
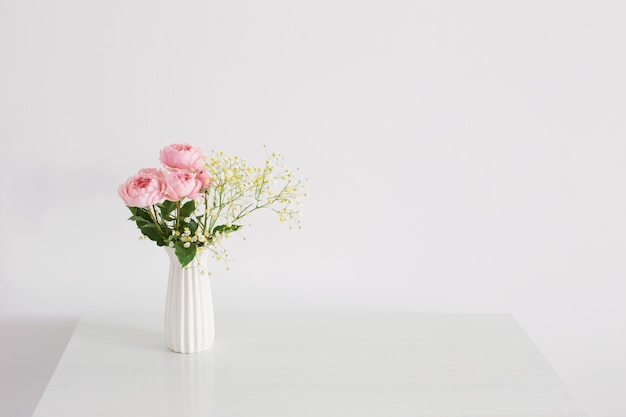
(187, 237)
(239, 189)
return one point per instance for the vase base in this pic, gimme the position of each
(191, 349)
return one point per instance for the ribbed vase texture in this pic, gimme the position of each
(189, 320)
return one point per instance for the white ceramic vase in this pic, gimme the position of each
(189, 319)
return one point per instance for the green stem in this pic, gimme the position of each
(177, 214)
(206, 212)
(152, 212)
(220, 205)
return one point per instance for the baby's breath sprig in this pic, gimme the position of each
(240, 189)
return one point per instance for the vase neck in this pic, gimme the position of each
(201, 258)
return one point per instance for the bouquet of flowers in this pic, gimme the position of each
(195, 201)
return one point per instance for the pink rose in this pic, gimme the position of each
(205, 179)
(182, 156)
(144, 189)
(181, 184)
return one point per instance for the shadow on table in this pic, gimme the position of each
(30, 349)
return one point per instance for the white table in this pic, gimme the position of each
(309, 365)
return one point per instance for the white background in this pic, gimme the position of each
(462, 156)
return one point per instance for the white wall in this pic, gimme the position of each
(462, 157)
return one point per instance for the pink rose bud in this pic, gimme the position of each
(181, 184)
(182, 156)
(144, 189)
(205, 179)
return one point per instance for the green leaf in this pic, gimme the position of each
(187, 209)
(153, 234)
(141, 213)
(184, 255)
(139, 219)
(226, 229)
(193, 226)
(166, 207)
(147, 226)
